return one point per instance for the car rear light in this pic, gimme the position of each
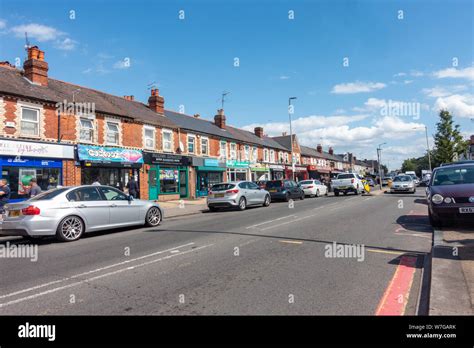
(310, 186)
(31, 210)
(231, 192)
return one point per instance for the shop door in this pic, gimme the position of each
(183, 184)
(153, 183)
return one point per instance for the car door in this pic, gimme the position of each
(122, 210)
(322, 188)
(258, 196)
(244, 191)
(295, 189)
(91, 206)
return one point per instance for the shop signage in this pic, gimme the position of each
(164, 158)
(211, 162)
(297, 168)
(108, 154)
(276, 167)
(31, 149)
(237, 164)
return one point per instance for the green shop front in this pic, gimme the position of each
(238, 170)
(259, 172)
(167, 175)
(209, 171)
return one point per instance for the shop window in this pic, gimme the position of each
(29, 122)
(169, 179)
(112, 133)
(167, 140)
(204, 146)
(149, 137)
(87, 130)
(18, 179)
(191, 143)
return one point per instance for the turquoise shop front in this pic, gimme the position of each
(209, 171)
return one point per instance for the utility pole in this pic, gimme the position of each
(379, 157)
(290, 111)
(428, 146)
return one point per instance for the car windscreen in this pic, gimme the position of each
(222, 187)
(273, 184)
(402, 178)
(345, 176)
(49, 194)
(454, 176)
(306, 182)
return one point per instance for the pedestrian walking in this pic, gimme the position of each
(132, 187)
(4, 194)
(34, 188)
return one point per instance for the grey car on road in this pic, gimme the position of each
(237, 194)
(69, 212)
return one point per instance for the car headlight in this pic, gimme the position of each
(437, 199)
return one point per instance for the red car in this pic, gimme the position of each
(450, 194)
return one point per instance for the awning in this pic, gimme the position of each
(210, 169)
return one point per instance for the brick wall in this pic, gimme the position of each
(71, 173)
(143, 180)
(132, 134)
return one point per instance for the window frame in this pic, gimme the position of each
(145, 138)
(22, 133)
(191, 136)
(205, 153)
(91, 129)
(225, 154)
(116, 123)
(233, 152)
(170, 132)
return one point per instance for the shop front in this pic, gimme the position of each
(21, 161)
(318, 173)
(259, 172)
(277, 172)
(301, 173)
(209, 171)
(109, 165)
(237, 170)
(167, 175)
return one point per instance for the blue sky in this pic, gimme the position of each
(410, 60)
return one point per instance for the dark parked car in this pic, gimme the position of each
(261, 183)
(284, 190)
(450, 194)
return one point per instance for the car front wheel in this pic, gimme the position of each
(266, 202)
(153, 217)
(70, 229)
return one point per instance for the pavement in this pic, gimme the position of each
(347, 255)
(452, 276)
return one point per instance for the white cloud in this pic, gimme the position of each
(284, 77)
(3, 24)
(66, 44)
(122, 64)
(461, 105)
(406, 82)
(416, 73)
(439, 91)
(357, 87)
(400, 74)
(466, 73)
(39, 32)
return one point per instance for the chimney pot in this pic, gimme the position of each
(319, 148)
(331, 151)
(197, 115)
(283, 134)
(156, 102)
(36, 69)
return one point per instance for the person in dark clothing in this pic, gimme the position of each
(132, 187)
(4, 193)
(34, 188)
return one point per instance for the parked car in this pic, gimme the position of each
(284, 190)
(387, 181)
(261, 183)
(69, 212)
(313, 188)
(403, 183)
(347, 182)
(450, 194)
(237, 194)
(426, 179)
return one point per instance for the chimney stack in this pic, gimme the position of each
(319, 148)
(258, 132)
(197, 115)
(283, 134)
(331, 151)
(129, 97)
(156, 102)
(36, 69)
(219, 119)
(6, 64)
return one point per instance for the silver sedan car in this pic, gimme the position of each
(69, 212)
(403, 183)
(237, 194)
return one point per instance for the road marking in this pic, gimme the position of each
(92, 271)
(412, 235)
(288, 222)
(290, 241)
(392, 252)
(267, 222)
(98, 277)
(396, 295)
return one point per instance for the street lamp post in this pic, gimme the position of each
(379, 157)
(290, 111)
(427, 144)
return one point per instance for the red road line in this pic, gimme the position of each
(396, 295)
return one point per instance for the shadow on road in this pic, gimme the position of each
(415, 223)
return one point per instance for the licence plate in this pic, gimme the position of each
(342, 187)
(14, 213)
(466, 210)
(273, 190)
(218, 195)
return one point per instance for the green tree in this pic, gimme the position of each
(448, 140)
(409, 165)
